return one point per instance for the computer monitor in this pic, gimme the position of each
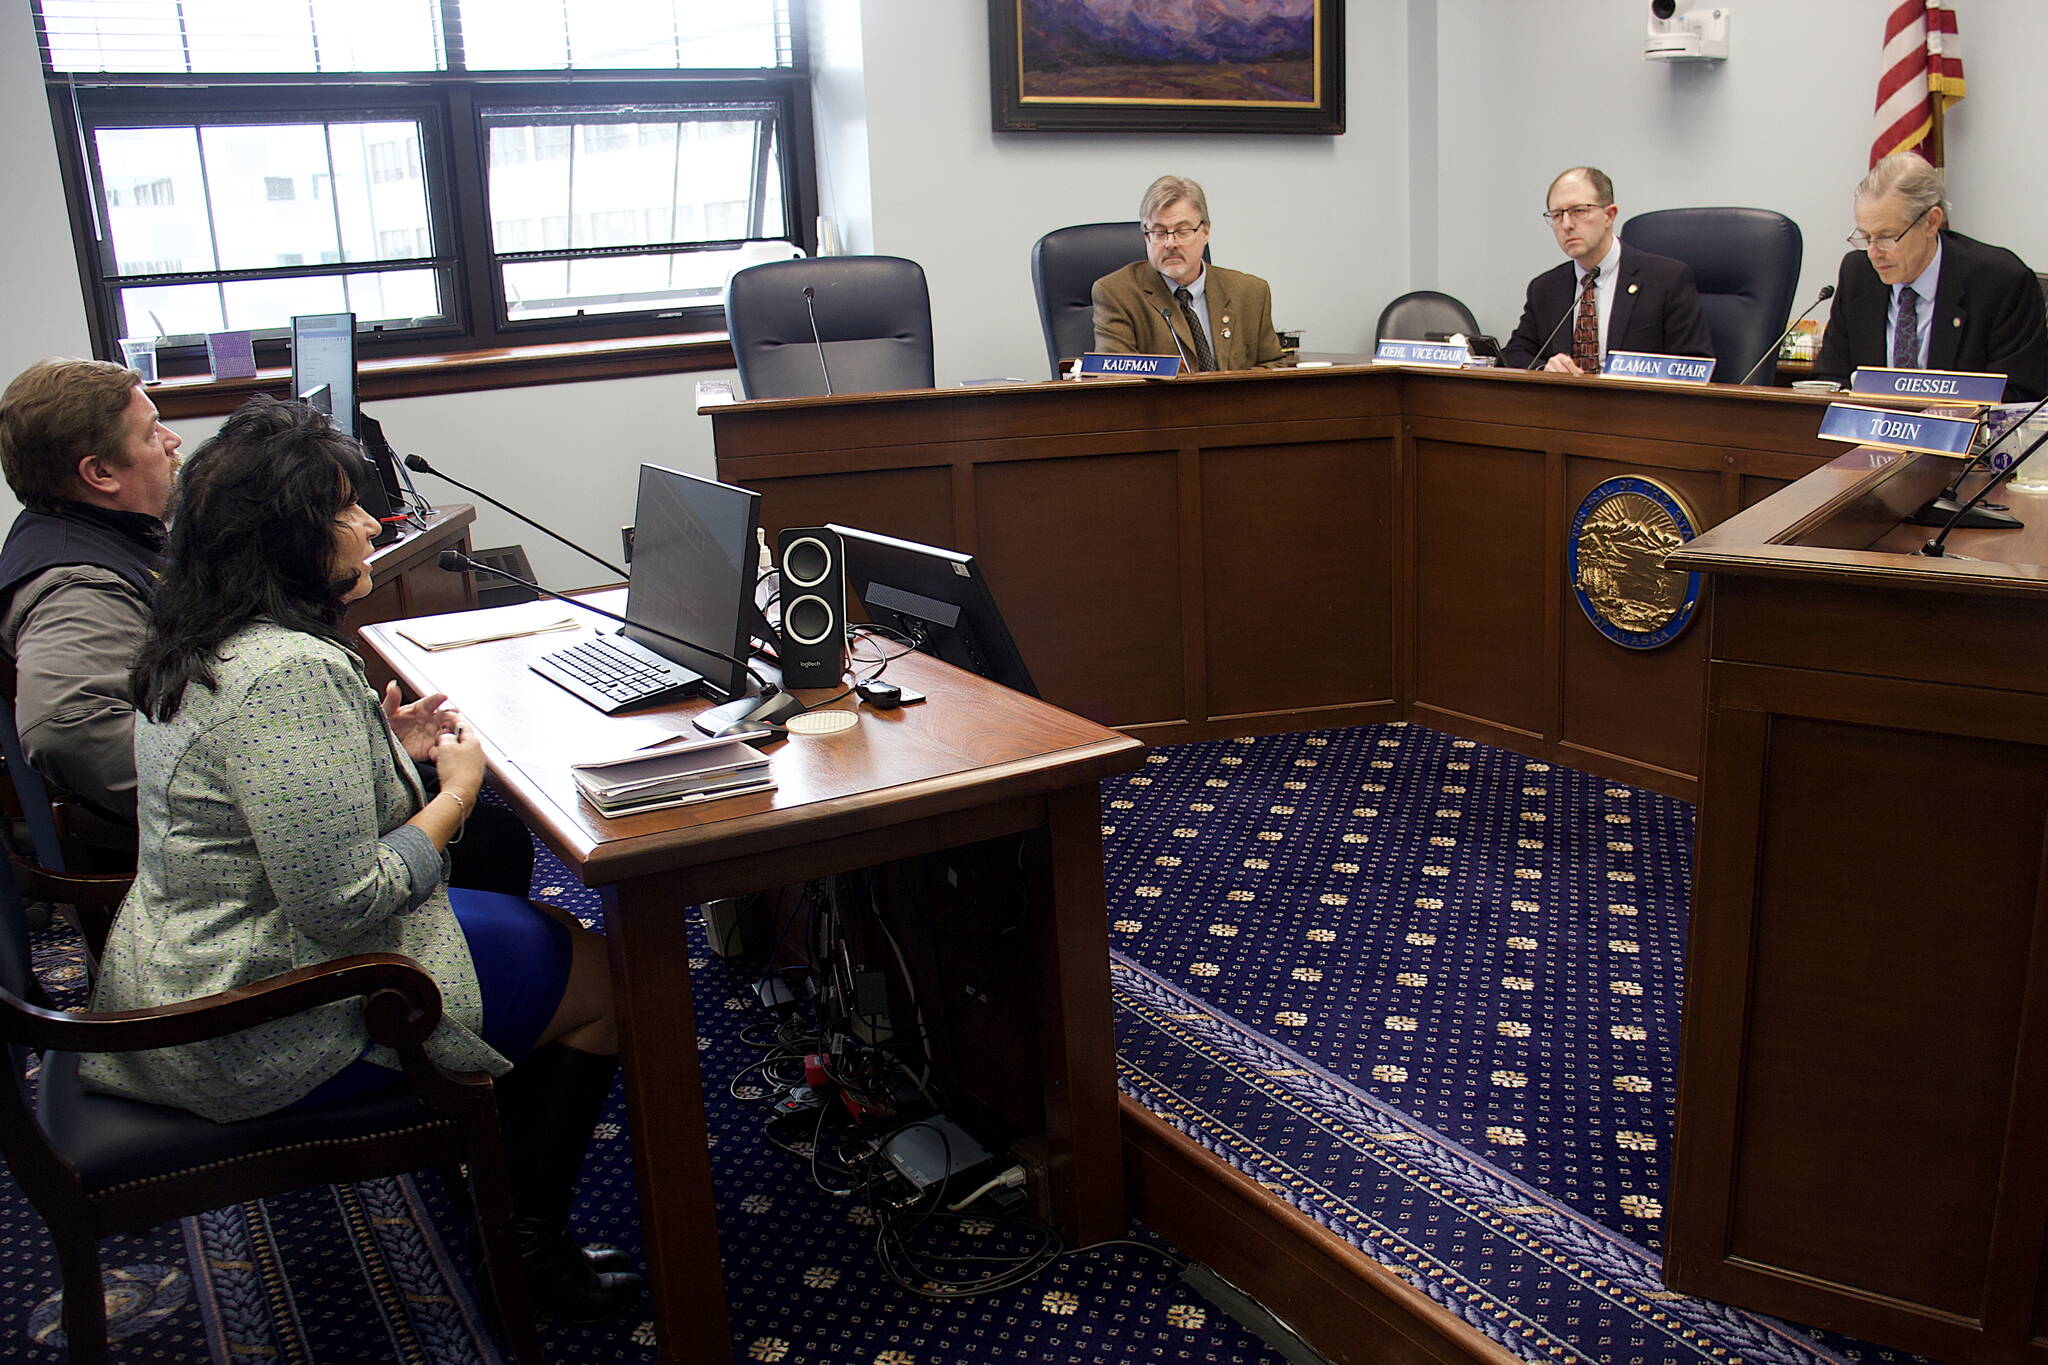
(938, 599)
(324, 355)
(694, 563)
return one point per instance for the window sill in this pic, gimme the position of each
(465, 371)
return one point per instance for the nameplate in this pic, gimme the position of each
(1671, 369)
(1892, 430)
(1444, 353)
(1961, 387)
(1131, 366)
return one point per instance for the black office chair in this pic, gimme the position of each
(93, 1165)
(1065, 264)
(874, 317)
(1746, 262)
(1424, 313)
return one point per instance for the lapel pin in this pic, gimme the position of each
(1632, 288)
(1955, 322)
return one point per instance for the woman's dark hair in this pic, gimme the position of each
(252, 538)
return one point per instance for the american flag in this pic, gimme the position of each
(1920, 77)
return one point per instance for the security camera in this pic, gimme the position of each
(1679, 30)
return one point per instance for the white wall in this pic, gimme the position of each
(1460, 111)
(1528, 87)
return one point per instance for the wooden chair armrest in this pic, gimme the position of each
(403, 1008)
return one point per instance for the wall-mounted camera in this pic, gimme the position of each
(1682, 31)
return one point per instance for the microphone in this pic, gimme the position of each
(454, 561)
(1932, 549)
(1939, 509)
(419, 464)
(1185, 359)
(1537, 359)
(811, 307)
(1827, 291)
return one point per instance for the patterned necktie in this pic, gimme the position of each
(1205, 359)
(1586, 331)
(1906, 332)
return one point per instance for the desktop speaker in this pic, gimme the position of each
(813, 635)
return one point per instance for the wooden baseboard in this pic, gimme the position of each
(1342, 1302)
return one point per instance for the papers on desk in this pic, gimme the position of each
(677, 774)
(479, 627)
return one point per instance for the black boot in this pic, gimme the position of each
(550, 1103)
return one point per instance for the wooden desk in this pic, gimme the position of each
(976, 762)
(410, 583)
(1862, 1121)
(1242, 553)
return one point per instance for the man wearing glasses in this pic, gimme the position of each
(1607, 297)
(1171, 303)
(1917, 295)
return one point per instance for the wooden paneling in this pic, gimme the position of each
(1326, 586)
(1481, 572)
(914, 504)
(1087, 556)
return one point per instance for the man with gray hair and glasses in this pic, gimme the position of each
(1606, 296)
(1173, 303)
(1917, 295)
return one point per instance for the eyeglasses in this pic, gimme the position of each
(1863, 241)
(1179, 234)
(1578, 213)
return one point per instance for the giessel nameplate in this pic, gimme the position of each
(1669, 369)
(1131, 366)
(1448, 354)
(1964, 388)
(1892, 430)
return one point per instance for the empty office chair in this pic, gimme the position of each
(1422, 314)
(1065, 264)
(874, 316)
(1747, 264)
(94, 1165)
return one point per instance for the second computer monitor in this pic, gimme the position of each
(938, 600)
(324, 354)
(694, 564)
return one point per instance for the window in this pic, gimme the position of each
(545, 170)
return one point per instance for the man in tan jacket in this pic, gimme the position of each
(1172, 303)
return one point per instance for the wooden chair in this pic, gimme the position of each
(95, 1164)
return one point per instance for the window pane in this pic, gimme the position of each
(253, 196)
(633, 177)
(668, 35)
(626, 284)
(155, 193)
(388, 299)
(243, 35)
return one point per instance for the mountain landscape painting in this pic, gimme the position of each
(1238, 56)
(1242, 51)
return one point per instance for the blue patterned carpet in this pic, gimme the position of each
(1424, 990)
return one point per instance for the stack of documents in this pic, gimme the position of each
(677, 774)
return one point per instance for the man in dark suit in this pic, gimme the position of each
(1173, 303)
(1917, 295)
(1607, 297)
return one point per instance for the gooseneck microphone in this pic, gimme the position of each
(1827, 291)
(1932, 549)
(1537, 359)
(419, 464)
(454, 561)
(1185, 359)
(811, 307)
(1943, 506)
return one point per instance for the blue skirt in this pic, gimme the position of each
(521, 955)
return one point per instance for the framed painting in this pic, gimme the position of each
(1217, 66)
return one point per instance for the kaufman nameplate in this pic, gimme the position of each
(1892, 430)
(1444, 353)
(1131, 366)
(1672, 369)
(1962, 387)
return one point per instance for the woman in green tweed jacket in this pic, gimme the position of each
(282, 824)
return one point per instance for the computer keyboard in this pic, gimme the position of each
(613, 673)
